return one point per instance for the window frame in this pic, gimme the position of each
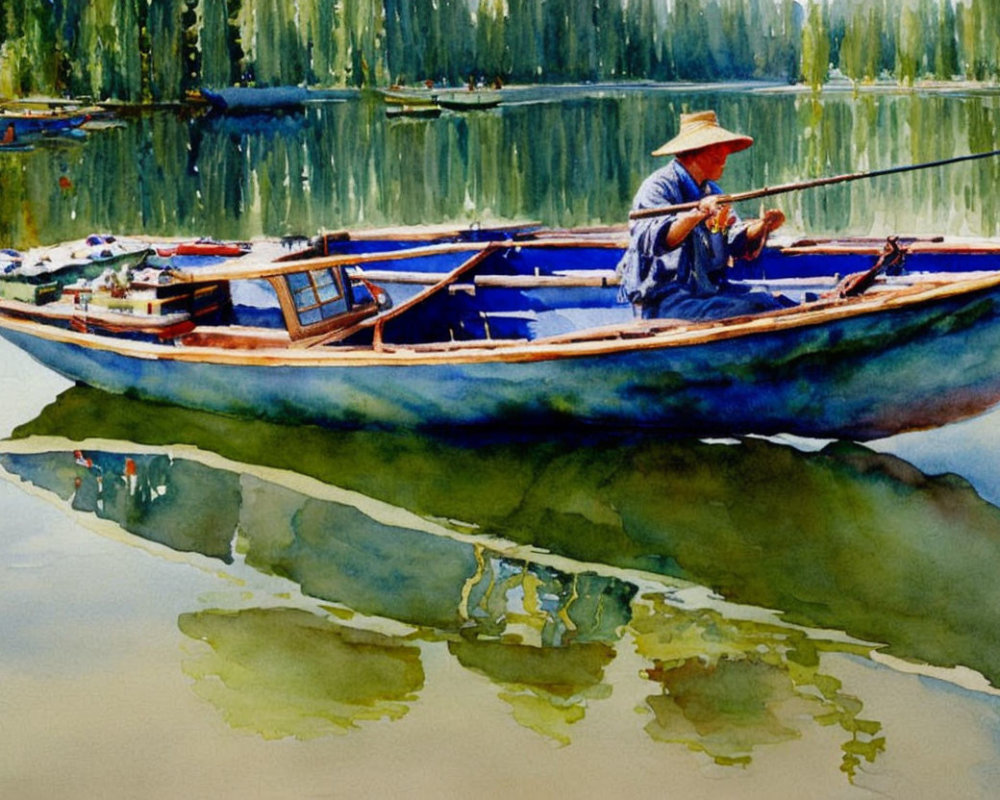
(289, 297)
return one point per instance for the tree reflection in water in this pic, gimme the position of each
(545, 635)
(288, 672)
(537, 563)
(730, 686)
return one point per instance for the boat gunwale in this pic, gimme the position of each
(865, 247)
(242, 269)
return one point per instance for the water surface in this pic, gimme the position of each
(203, 606)
(345, 165)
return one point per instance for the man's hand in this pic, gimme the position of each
(772, 220)
(722, 220)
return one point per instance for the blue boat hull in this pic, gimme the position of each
(777, 264)
(859, 374)
(33, 125)
(238, 99)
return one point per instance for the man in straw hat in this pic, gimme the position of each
(675, 265)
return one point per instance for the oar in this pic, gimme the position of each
(766, 191)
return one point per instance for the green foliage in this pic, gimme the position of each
(815, 47)
(140, 50)
(908, 61)
(945, 44)
(860, 53)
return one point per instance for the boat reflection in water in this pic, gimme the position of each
(536, 564)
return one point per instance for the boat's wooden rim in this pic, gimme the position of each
(249, 268)
(68, 312)
(244, 268)
(640, 335)
(409, 95)
(582, 278)
(875, 248)
(44, 114)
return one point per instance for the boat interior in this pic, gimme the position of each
(484, 288)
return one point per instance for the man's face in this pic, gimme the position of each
(712, 161)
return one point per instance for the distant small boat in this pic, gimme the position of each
(27, 122)
(453, 99)
(204, 247)
(408, 97)
(469, 100)
(424, 110)
(237, 99)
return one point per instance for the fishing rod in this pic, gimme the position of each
(767, 191)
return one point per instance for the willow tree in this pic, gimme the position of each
(166, 71)
(737, 37)
(641, 58)
(190, 53)
(861, 48)
(609, 20)
(970, 23)
(909, 46)
(434, 39)
(815, 47)
(15, 64)
(791, 39)
(523, 34)
(570, 47)
(692, 59)
(316, 22)
(458, 37)
(362, 28)
(279, 57)
(492, 54)
(945, 44)
(989, 43)
(44, 48)
(107, 56)
(213, 42)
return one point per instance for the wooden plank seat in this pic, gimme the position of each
(234, 337)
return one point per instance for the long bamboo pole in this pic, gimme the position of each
(766, 191)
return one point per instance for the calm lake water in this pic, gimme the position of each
(194, 605)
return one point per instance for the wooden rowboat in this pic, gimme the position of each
(401, 96)
(29, 122)
(204, 247)
(529, 332)
(469, 100)
(417, 110)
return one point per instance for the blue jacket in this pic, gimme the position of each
(648, 270)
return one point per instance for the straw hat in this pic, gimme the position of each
(701, 129)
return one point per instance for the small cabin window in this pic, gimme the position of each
(317, 295)
(316, 301)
